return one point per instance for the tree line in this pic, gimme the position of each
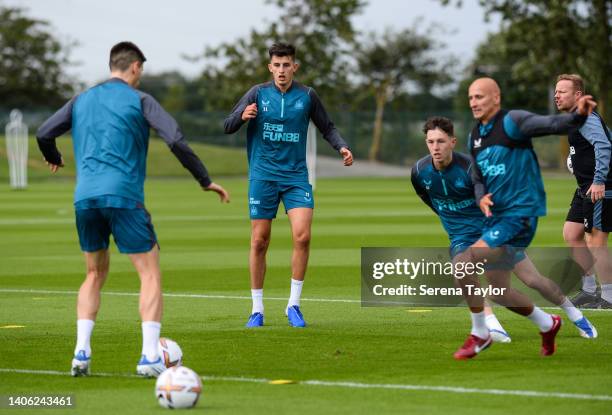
(398, 70)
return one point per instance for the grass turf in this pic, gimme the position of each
(204, 251)
(222, 161)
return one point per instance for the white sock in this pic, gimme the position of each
(479, 325)
(257, 296)
(296, 293)
(493, 323)
(572, 312)
(84, 329)
(541, 319)
(150, 338)
(589, 283)
(606, 292)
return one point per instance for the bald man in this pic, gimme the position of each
(509, 191)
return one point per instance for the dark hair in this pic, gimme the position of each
(282, 49)
(442, 123)
(123, 54)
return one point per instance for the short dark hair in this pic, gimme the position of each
(123, 54)
(282, 49)
(442, 123)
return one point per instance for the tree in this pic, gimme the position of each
(388, 63)
(322, 32)
(499, 58)
(559, 36)
(32, 62)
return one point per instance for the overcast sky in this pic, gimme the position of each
(165, 29)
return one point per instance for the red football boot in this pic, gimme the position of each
(548, 338)
(472, 346)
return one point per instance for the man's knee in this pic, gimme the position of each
(572, 234)
(597, 239)
(301, 239)
(260, 243)
(97, 275)
(97, 272)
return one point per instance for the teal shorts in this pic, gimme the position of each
(132, 229)
(265, 196)
(517, 232)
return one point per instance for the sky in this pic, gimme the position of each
(166, 30)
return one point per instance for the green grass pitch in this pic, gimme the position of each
(349, 360)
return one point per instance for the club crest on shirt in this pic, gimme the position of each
(299, 104)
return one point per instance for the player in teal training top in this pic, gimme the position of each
(508, 187)
(278, 114)
(110, 133)
(443, 180)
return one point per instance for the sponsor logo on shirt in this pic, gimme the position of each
(452, 205)
(264, 105)
(491, 170)
(299, 105)
(275, 132)
(307, 197)
(427, 184)
(478, 143)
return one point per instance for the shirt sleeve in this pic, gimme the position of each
(477, 180)
(234, 121)
(521, 125)
(422, 193)
(593, 131)
(56, 125)
(321, 120)
(169, 131)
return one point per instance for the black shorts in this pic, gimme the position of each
(597, 215)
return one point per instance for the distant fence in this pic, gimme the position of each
(402, 142)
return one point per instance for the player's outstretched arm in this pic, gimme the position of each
(330, 133)
(223, 194)
(243, 111)
(56, 125)
(521, 125)
(347, 156)
(169, 131)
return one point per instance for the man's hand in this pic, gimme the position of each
(597, 192)
(485, 205)
(55, 167)
(585, 105)
(249, 112)
(223, 194)
(347, 156)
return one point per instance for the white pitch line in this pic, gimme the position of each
(178, 295)
(233, 297)
(358, 385)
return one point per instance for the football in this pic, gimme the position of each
(178, 388)
(170, 352)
